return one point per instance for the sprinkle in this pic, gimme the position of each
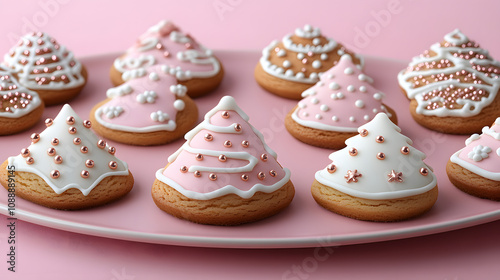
(25, 152)
(49, 122)
(225, 114)
(87, 123)
(212, 177)
(237, 127)
(77, 141)
(55, 174)
(273, 173)
(197, 173)
(208, 137)
(51, 151)
(54, 141)
(353, 151)
(245, 144)
(70, 120)
(85, 174)
(381, 156)
(331, 168)
(84, 149)
(112, 150)
(228, 144)
(263, 157)
(30, 160)
(112, 164)
(395, 176)
(405, 150)
(380, 139)
(363, 132)
(352, 176)
(261, 176)
(222, 158)
(424, 171)
(72, 130)
(58, 159)
(89, 163)
(198, 157)
(184, 169)
(244, 177)
(101, 144)
(35, 137)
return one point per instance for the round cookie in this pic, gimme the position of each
(194, 66)
(453, 87)
(475, 169)
(149, 109)
(294, 64)
(20, 108)
(43, 65)
(224, 174)
(333, 109)
(67, 167)
(379, 176)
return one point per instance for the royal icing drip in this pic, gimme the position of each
(300, 61)
(15, 100)
(224, 155)
(67, 155)
(165, 44)
(341, 101)
(481, 154)
(378, 163)
(144, 104)
(454, 78)
(42, 63)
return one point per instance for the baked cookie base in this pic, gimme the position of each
(322, 138)
(280, 87)
(185, 119)
(32, 187)
(14, 125)
(389, 210)
(227, 210)
(472, 183)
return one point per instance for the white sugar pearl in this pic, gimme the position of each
(316, 41)
(300, 56)
(359, 103)
(351, 88)
(179, 105)
(348, 71)
(314, 100)
(333, 86)
(324, 108)
(316, 64)
(362, 88)
(287, 63)
(281, 53)
(340, 95)
(324, 56)
(352, 119)
(154, 77)
(377, 96)
(318, 117)
(366, 117)
(335, 118)
(340, 52)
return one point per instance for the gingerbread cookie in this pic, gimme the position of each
(379, 176)
(150, 108)
(294, 64)
(224, 174)
(453, 87)
(194, 66)
(67, 167)
(333, 109)
(43, 65)
(475, 169)
(20, 108)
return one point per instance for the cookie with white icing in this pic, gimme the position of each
(294, 64)
(67, 167)
(475, 169)
(332, 110)
(20, 108)
(42, 64)
(194, 66)
(379, 176)
(453, 86)
(150, 108)
(224, 174)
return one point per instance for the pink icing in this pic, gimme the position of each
(342, 100)
(157, 42)
(137, 115)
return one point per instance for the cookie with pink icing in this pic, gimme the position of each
(475, 169)
(224, 174)
(67, 166)
(20, 108)
(43, 65)
(332, 110)
(194, 66)
(292, 65)
(379, 176)
(150, 108)
(453, 86)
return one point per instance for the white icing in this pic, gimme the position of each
(119, 91)
(479, 153)
(16, 87)
(73, 160)
(473, 137)
(473, 168)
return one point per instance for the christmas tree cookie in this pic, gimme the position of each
(150, 108)
(292, 65)
(475, 169)
(333, 109)
(43, 65)
(453, 87)
(193, 65)
(20, 108)
(224, 174)
(67, 167)
(379, 176)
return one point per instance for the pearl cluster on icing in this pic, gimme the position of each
(342, 100)
(378, 163)
(453, 78)
(165, 44)
(67, 154)
(15, 100)
(309, 61)
(42, 63)
(224, 154)
(481, 154)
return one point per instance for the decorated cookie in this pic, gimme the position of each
(379, 176)
(43, 65)
(475, 169)
(292, 65)
(224, 174)
(20, 108)
(150, 108)
(453, 87)
(67, 167)
(333, 109)
(193, 65)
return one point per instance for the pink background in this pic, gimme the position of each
(95, 27)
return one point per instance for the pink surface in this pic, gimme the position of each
(85, 27)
